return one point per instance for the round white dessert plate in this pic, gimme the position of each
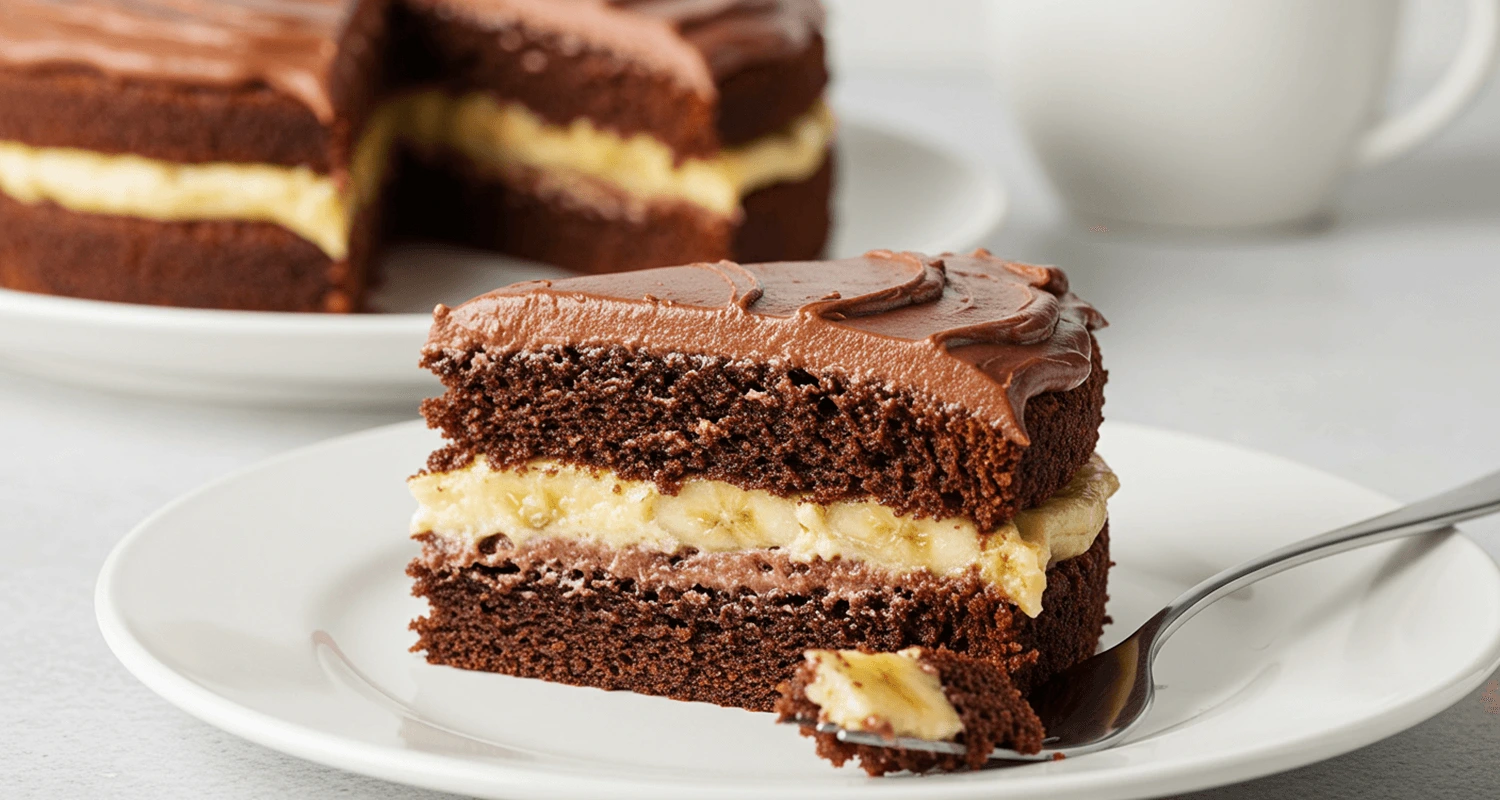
(892, 191)
(273, 604)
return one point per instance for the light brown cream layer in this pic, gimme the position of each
(549, 499)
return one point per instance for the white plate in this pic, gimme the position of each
(892, 191)
(273, 605)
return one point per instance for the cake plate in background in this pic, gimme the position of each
(295, 636)
(892, 191)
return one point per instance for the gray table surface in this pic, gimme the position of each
(1370, 349)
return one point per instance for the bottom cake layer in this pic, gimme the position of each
(727, 628)
(261, 266)
(258, 266)
(592, 228)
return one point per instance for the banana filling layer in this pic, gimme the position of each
(321, 208)
(870, 691)
(551, 499)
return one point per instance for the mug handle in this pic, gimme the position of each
(1462, 80)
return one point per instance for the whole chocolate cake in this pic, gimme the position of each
(254, 154)
(677, 480)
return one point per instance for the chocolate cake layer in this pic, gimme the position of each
(168, 79)
(786, 221)
(727, 628)
(695, 75)
(970, 331)
(192, 81)
(560, 77)
(77, 108)
(991, 709)
(291, 46)
(764, 97)
(537, 216)
(221, 264)
(788, 431)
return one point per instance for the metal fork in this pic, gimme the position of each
(1095, 704)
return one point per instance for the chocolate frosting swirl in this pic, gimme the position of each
(974, 330)
(289, 45)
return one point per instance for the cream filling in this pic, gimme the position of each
(550, 499)
(307, 203)
(317, 208)
(870, 691)
(505, 134)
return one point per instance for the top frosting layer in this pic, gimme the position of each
(697, 41)
(974, 331)
(289, 45)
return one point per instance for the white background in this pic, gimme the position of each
(1371, 350)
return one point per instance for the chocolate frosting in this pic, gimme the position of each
(700, 42)
(289, 45)
(974, 331)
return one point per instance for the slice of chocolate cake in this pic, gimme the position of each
(253, 154)
(916, 693)
(675, 481)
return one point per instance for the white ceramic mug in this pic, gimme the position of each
(1217, 113)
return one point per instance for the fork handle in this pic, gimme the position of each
(1436, 513)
